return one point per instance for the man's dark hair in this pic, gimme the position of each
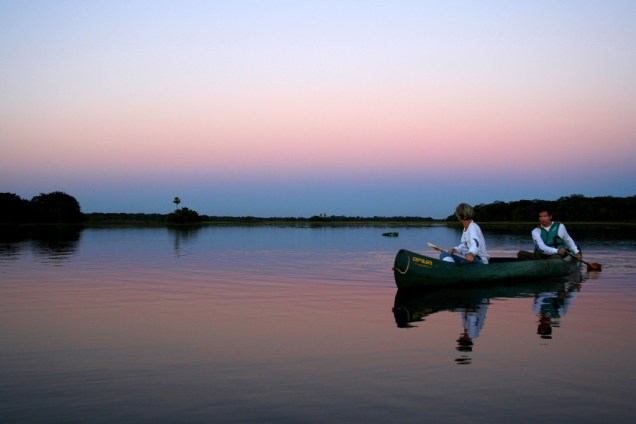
(545, 208)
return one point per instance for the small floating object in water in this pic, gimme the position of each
(390, 234)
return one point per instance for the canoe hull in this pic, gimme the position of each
(412, 270)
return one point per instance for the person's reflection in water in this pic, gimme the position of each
(550, 307)
(544, 330)
(473, 319)
(465, 342)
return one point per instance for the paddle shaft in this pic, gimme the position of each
(439, 249)
(593, 265)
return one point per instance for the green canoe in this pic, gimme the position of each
(412, 270)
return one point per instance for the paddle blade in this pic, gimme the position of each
(591, 266)
(431, 245)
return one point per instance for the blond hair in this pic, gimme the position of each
(464, 212)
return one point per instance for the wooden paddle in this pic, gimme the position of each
(439, 249)
(591, 266)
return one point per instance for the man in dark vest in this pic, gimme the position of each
(551, 240)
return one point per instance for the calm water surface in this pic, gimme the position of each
(305, 325)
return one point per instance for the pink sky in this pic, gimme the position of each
(141, 102)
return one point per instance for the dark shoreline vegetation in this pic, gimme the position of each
(18, 215)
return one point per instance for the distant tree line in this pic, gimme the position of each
(574, 208)
(183, 216)
(52, 208)
(58, 207)
(184, 213)
(180, 216)
(108, 218)
(341, 218)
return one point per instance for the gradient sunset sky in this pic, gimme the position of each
(296, 108)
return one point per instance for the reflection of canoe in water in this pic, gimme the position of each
(413, 270)
(415, 305)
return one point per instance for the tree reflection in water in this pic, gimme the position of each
(51, 243)
(183, 234)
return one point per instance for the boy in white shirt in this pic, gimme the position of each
(472, 246)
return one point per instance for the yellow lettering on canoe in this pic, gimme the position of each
(422, 262)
